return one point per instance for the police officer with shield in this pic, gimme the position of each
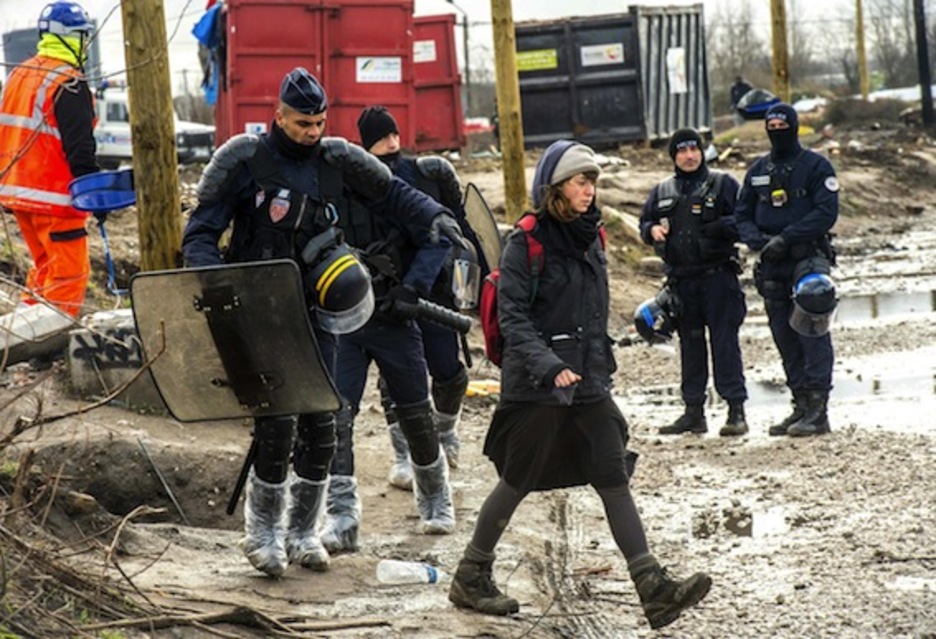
(292, 193)
(456, 288)
(787, 206)
(689, 219)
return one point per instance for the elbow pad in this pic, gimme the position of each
(441, 171)
(362, 172)
(215, 176)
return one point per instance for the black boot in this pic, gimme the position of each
(735, 424)
(663, 598)
(691, 421)
(816, 419)
(473, 587)
(799, 409)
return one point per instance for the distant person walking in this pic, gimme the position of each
(738, 90)
(46, 140)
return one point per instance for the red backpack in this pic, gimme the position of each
(487, 307)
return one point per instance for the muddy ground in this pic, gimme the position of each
(827, 537)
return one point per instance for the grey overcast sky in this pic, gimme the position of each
(181, 15)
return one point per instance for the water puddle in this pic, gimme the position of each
(856, 309)
(894, 391)
(740, 521)
(914, 584)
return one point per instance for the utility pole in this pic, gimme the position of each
(467, 57)
(781, 61)
(926, 84)
(508, 109)
(862, 56)
(155, 164)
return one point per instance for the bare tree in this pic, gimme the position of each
(893, 42)
(801, 41)
(735, 47)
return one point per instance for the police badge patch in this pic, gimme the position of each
(832, 183)
(279, 207)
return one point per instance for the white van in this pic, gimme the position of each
(194, 141)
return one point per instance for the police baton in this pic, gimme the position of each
(445, 317)
(242, 477)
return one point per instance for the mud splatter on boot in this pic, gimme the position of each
(663, 597)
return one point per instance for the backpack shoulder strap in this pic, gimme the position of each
(535, 252)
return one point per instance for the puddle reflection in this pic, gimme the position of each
(861, 308)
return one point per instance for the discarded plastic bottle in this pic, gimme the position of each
(392, 571)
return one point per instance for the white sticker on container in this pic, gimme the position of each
(595, 55)
(424, 51)
(378, 69)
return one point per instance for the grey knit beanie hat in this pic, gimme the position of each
(578, 158)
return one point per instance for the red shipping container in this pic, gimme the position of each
(440, 120)
(361, 51)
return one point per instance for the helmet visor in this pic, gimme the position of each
(466, 283)
(348, 320)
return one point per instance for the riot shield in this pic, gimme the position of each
(483, 224)
(237, 338)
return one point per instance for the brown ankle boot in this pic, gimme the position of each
(663, 597)
(473, 587)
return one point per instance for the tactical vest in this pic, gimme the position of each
(770, 193)
(282, 220)
(687, 213)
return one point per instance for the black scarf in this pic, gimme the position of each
(390, 160)
(290, 149)
(573, 238)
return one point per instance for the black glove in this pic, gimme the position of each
(775, 249)
(401, 303)
(444, 225)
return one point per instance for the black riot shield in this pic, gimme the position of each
(483, 224)
(238, 342)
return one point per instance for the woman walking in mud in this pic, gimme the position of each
(556, 425)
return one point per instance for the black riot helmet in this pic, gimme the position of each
(303, 92)
(657, 318)
(343, 298)
(814, 298)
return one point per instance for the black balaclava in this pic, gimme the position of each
(784, 141)
(681, 138)
(290, 149)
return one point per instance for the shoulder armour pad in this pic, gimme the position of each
(361, 171)
(222, 164)
(441, 171)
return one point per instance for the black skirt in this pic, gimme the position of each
(539, 447)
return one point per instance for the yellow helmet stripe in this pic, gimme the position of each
(331, 274)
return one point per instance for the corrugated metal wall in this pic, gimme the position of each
(663, 33)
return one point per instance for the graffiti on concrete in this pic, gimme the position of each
(117, 348)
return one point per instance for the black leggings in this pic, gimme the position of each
(623, 518)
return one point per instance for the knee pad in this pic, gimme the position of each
(343, 461)
(447, 395)
(315, 445)
(416, 424)
(274, 437)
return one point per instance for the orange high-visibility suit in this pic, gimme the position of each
(46, 139)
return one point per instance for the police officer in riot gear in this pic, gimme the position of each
(787, 206)
(436, 177)
(292, 193)
(689, 219)
(405, 266)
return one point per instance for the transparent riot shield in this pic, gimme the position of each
(231, 341)
(484, 225)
